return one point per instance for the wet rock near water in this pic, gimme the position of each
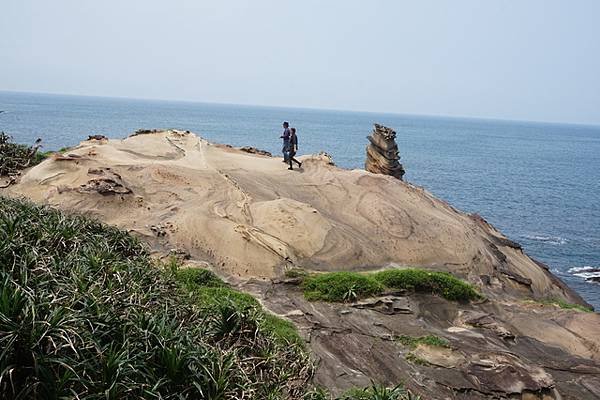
(382, 153)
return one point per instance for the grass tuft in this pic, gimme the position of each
(350, 286)
(413, 358)
(430, 340)
(566, 305)
(296, 273)
(210, 292)
(340, 286)
(419, 280)
(373, 392)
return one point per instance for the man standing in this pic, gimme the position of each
(286, 141)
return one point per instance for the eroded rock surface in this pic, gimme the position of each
(382, 153)
(243, 214)
(490, 355)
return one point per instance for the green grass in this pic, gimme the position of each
(414, 341)
(566, 305)
(419, 280)
(84, 313)
(296, 273)
(413, 358)
(210, 292)
(340, 286)
(373, 392)
(350, 286)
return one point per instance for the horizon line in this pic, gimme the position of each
(441, 116)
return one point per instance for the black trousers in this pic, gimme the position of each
(291, 158)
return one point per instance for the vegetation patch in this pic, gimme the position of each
(350, 286)
(85, 314)
(296, 273)
(16, 157)
(373, 392)
(341, 286)
(419, 280)
(414, 341)
(413, 358)
(567, 306)
(209, 292)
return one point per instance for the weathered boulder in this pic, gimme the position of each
(382, 153)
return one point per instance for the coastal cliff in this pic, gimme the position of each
(253, 222)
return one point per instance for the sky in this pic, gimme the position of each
(522, 59)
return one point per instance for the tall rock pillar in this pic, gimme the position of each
(382, 153)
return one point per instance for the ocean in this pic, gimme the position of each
(538, 183)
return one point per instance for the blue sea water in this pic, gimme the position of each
(538, 183)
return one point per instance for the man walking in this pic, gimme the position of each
(286, 141)
(293, 148)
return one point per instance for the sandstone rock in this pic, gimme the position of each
(486, 321)
(254, 150)
(97, 137)
(439, 356)
(386, 305)
(107, 182)
(145, 132)
(382, 153)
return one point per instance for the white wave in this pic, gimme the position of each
(586, 272)
(583, 269)
(556, 240)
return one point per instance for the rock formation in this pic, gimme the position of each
(254, 150)
(250, 220)
(382, 153)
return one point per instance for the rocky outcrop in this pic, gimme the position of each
(104, 182)
(242, 214)
(494, 350)
(382, 153)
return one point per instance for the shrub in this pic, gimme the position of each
(418, 280)
(210, 292)
(340, 286)
(84, 314)
(350, 286)
(15, 157)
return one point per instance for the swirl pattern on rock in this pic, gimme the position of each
(382, 153)
(251, 219)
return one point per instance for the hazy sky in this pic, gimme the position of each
(531, 60)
